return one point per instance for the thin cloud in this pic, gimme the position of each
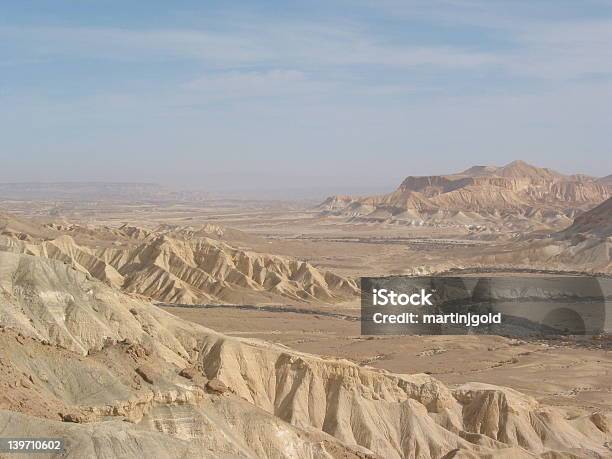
(555, 50)
(300, 46)
(479, 81)
(251, 83)
(564, 50)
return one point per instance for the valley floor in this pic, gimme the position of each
(177, 382)
(575, 375)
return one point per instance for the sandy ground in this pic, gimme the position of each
(578, 376)
(348, 248)
(573, 375)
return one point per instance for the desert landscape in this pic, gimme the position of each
(139, 320)
(366, 229)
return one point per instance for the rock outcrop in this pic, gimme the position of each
(75, 349)
(186, 265)
(515, 196)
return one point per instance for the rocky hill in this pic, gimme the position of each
(517, 195)
(117, 377)
(23, 229)
(586, 245)
(596, 222)
(185, 265)
(606, 180)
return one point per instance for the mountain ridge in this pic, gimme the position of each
(111, 366)
(188, 265)
(511, 192)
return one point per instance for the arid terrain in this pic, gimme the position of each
(139, 321)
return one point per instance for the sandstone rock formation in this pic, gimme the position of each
(517, 196)
(595, 223)
(586, 245)
(179, 265)
(75, 349)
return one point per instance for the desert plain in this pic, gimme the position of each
(201, 325)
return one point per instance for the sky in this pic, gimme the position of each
(341, 94)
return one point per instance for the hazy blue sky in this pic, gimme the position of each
(273, 94)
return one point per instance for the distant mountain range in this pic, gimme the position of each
(481, 195)
(96, 191)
